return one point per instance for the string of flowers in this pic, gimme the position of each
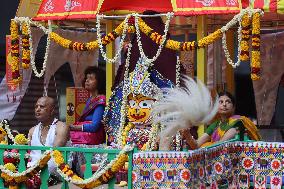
(178, 72)
(39, 74)
(20, 139)
(15, 155)
(154, 36)
(26, 47)
(125, 132)
(226, 51)
(124, 97)
(178, 141)
(100, 177)
(236, 19)
(178, 138)
(150, 144)
(117, 55)
(15, 178)
(14, 29)
(255, 53)
(245, 37)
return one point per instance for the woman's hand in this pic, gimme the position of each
(75, 127)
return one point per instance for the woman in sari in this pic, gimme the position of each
(226, 127)
(89, 131)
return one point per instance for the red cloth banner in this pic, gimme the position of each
(67, 9)
(11, 86)
(200, 7)
(86, 9)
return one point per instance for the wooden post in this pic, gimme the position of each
(110, 67)
(201, 57)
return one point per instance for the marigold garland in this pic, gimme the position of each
(26, 58)
(255, 53)
(125, 132)
(245, 37)
(66, 172)
(66, 43)
(156, 37)
(14, 29)
(13, 179)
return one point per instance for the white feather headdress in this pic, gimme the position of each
(184, 107)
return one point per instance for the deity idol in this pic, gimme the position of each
(142, 90)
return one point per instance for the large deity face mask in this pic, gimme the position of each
(139, 109)
(141, 96)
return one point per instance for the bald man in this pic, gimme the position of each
(44, 113)
(48, 132)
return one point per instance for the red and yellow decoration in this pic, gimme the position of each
(244, 56)
(104, 178)
(26, 55)
(16, 77)
(13, 178)
(125, 132)
(156, 37)
(255, 53)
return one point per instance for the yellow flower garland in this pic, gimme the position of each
(125, 132)
(255, 53)
(59, 160)
(21, 139)
(26, 59)
(13, 181)
(245, 37)
(156, 37)
(16, 77)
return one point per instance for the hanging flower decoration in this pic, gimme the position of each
(26, 59)
(13, 178)
(245, 37)
(20, 139)
(14, 29)
(99, 178)
(125, 132)
(255, 53)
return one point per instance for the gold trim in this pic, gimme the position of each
(66, 13)
(208, 8)
(100, 5)
(174, 5)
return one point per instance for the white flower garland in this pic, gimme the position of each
(237, 19)
(178, 140)
(39, 74)
(152, 137)
(28, 21)
(95, 176)
(124, 96)
(29, 170)
(164, 37)
(117, 55)
(14, 155)
(178, 72)
(226, 51)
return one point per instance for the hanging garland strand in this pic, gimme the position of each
(244, 56)
(26, 56)
(99, 178)
(255, 53)
(157, 38)
(14, 29)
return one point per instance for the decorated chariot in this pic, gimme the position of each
(132, 128)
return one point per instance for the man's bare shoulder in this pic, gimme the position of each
(32, 130)
(61, 126)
